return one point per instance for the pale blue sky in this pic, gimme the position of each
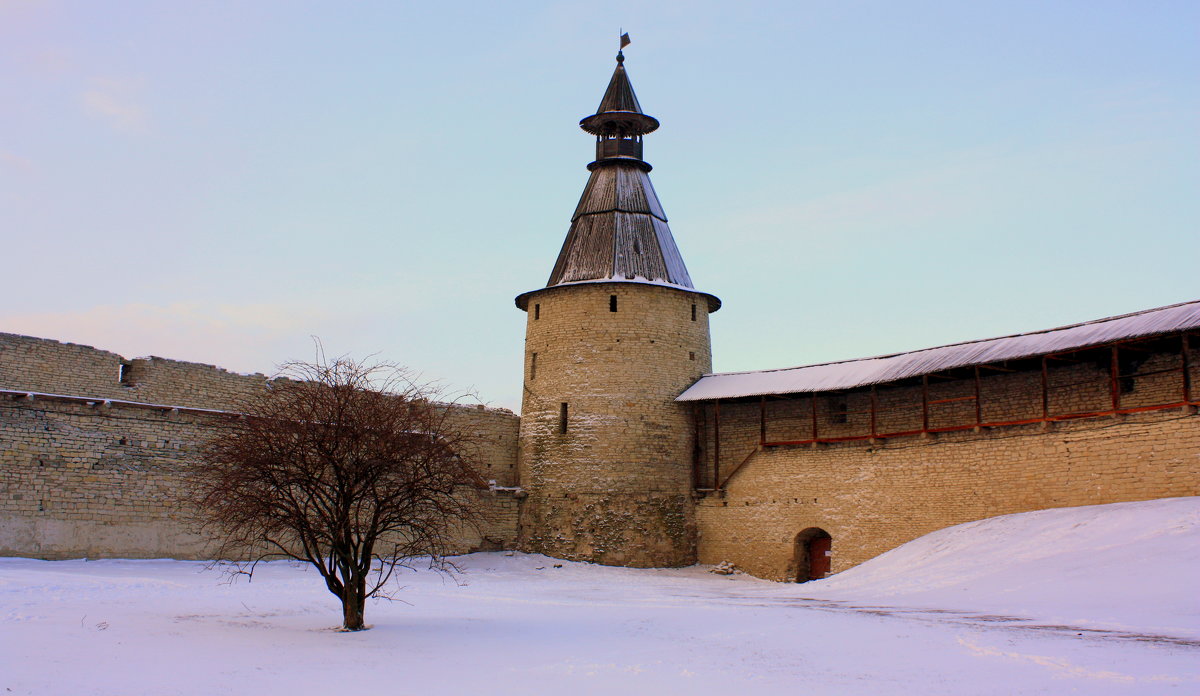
(219, 181)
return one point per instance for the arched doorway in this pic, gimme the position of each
(812, 555)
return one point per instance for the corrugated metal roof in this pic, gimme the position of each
(889, 368)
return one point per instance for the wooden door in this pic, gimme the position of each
(818, 557)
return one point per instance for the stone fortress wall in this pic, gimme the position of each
(90, 454)
(92, 447)
(873, 494)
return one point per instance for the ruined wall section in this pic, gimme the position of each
(53, 367)
(874, 495)
(82, 477)
(493, 436)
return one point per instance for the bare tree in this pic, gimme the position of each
(351, 467)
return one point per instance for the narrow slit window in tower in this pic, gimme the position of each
(562, 417)
(693, 312)
(124, 375)
(612, 303)
(691, 355)
(532, 366)
(537, 311)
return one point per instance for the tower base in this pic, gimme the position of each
(618, 529)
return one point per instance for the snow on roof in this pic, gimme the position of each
(889, 368)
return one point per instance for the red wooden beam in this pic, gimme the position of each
(992, 424)
(738, 467)
(951, 400)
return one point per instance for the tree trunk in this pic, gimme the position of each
(352, 606)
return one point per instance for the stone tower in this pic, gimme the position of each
(606, 455)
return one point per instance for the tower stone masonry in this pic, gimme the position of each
(606, 454)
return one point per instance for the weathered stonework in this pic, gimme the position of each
(92, 467)
(97, 474)
(615, 487)
(871, 496)
(52, 367)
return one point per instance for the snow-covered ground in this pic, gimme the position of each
(1093, 600)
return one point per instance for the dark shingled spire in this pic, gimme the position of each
(619, 231)
(619, 109)
(619, 96)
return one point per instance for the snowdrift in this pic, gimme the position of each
(1124, 565)
(1096, 600)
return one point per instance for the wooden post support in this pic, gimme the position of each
(1114, 380)
(813, 404)
(874, 408)
(1187, 368)
(978, 403)
(1045, 391)
(717, 445)
(924, 403)
(762, 421)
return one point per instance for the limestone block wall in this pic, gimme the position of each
(43, 365)
(76, 480)
(81, 477)
(493, 433)
(873, 495)
(606, 454)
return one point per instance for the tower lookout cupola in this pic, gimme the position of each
(619, 231)
(606, 454)
(619, 123)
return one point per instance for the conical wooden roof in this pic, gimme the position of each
(619, 232)
(619, 96)
(619, 110)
